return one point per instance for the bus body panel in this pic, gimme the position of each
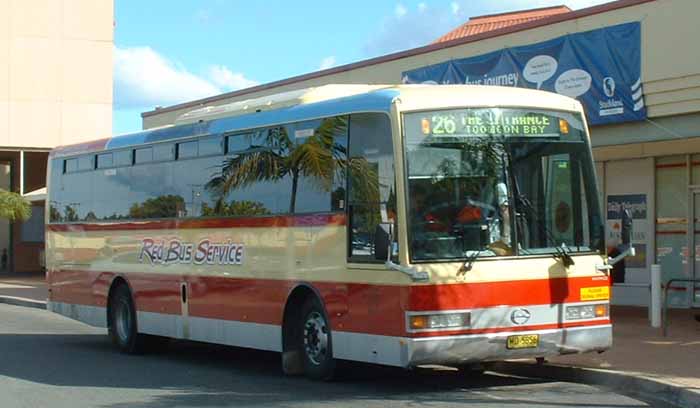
(243, 305)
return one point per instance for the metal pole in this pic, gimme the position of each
(21, 172)
(656, 296)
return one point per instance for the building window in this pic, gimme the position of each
(671, 221)
(32, 230)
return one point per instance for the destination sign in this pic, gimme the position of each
(487, 122)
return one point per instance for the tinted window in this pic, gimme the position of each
(210, 145)
(186, 150)
(70, 165)
(322, 148)
(105, 160)
(372, 189)
(123, 158)
(257, 180)
(237, 143)
(86, 163)
(163, 152)
(144, 155)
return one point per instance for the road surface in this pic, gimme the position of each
(47, 360)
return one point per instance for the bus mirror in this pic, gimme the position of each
(382, 241)
(626, 228)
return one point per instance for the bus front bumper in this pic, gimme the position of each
(465, 349)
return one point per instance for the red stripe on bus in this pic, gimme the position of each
(511, 293)
(354, 307)
(238, 222)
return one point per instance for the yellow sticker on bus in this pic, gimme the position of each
(595, 293)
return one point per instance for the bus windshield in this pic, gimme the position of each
(499, 182)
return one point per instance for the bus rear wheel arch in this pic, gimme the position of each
(122, 323)
(307, 346)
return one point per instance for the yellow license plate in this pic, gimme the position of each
(523, 341)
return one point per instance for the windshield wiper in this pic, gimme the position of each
(469, 263)
(561, 251)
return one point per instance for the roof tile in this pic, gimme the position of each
(482, 24)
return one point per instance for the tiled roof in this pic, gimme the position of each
(481, 24)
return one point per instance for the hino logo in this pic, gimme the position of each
(520, 316)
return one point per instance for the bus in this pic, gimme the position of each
(400, 225)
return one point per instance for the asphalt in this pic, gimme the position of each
(47, 360)
(641, 360)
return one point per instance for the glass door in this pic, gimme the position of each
(694, 238)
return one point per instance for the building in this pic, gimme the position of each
(55, 89)
(648, 159)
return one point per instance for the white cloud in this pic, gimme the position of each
(228, 80)
(400, 10)
(406, 29)
(327, 62)
(143, 78)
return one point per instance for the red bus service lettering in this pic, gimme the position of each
(176, 251)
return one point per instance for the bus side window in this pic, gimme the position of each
(321, 183)
(371, 182)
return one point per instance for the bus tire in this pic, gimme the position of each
(122, 324)
(316, 342)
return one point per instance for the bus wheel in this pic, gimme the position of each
(122, 322)
(316, 341)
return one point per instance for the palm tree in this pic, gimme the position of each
(319, 158)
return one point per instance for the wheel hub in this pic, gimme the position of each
(315, 338)
(122, 321)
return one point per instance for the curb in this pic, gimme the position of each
(18, 301)
(659, 389)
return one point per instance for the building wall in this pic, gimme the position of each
(55, 71)
(670, 67)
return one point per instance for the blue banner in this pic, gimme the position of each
(601, 68)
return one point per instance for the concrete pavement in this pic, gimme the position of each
(24, 290)
(641, 358)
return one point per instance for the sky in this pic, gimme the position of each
(167, 52)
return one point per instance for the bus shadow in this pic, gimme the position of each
(195, 374)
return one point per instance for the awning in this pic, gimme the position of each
(36, 195)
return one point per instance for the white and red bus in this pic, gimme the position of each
(399, 225)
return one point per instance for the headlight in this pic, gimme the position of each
(586, 311)
(439, 321)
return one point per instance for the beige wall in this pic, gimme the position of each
(670, 60)
(55, 71)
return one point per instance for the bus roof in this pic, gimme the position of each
(324, 101)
